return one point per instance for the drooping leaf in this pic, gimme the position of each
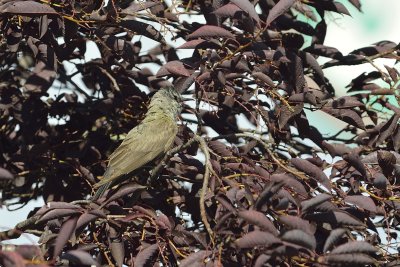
(264, 78)
(173, 67)
(257, 238)
(210, 31)
(315, 201)
(289, 181)
(133, 8)
(333, 238)
(79, 257)
(57, 213)
(325, 51)
(294, 222)
(228, 10)
(66, 231)
(348, 115)
(349, 259)
(335, 218)
(279, 8)
(363, 202)
(248, 7)
(195, 259)
(143, 29)
(27, 8)
(5, 174)
(354, 160)
(380, 181)
(259, 219)
(355, 247)
(312, 171)
(147, 255)
(300, 238)
(123, 191)
(117, 246)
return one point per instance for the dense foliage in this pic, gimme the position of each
(273, 193)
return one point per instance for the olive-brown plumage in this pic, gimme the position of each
(151, 138)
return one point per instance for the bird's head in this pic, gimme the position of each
(167, 100)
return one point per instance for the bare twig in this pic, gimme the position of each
(18, 229)
(270, 153)
(208, 168)
(112, 79)
(156, 170)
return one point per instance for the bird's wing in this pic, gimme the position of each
(141, 145)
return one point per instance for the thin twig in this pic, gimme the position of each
(18, 229)
(208, 167)
(156, 170)
(112, 79)
(270, 153)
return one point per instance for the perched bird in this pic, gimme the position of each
(151, 138)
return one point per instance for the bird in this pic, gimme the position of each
(150, 139)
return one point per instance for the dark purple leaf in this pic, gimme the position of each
(345, 102)
(363, 202)
(325, 51)
(289, 181)
(347, 115)
(356, 3)
(335, 218)
(147, 255)
(143, 29)
(79, 257)
(27, 8)
(220, 148)
(333, 238)
(173, 67)
(312, 170)
(261, 260)
(133, 8)
(313, 63)
(191, 44)
(294, 222)
(300, 238)
(57, 214)
(380, 181)
(355, 247)
(66, 231)
(315, 201)
(88, 217)
(257, 238)
(264, 78)
(12, 259)
(356, 162)
(388, 129)
(349, 259)
(305, 10)
(228, 10)
(62, 205)
(14, 36)
(281, 7)
(210, 31)
(286, 113)
(248, 7)
(195, 259)
(117, 247)
(259, 219)
(123, 191)
(5, 174)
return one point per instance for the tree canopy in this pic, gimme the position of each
(249, 181)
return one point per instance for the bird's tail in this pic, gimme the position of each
(100, 191)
